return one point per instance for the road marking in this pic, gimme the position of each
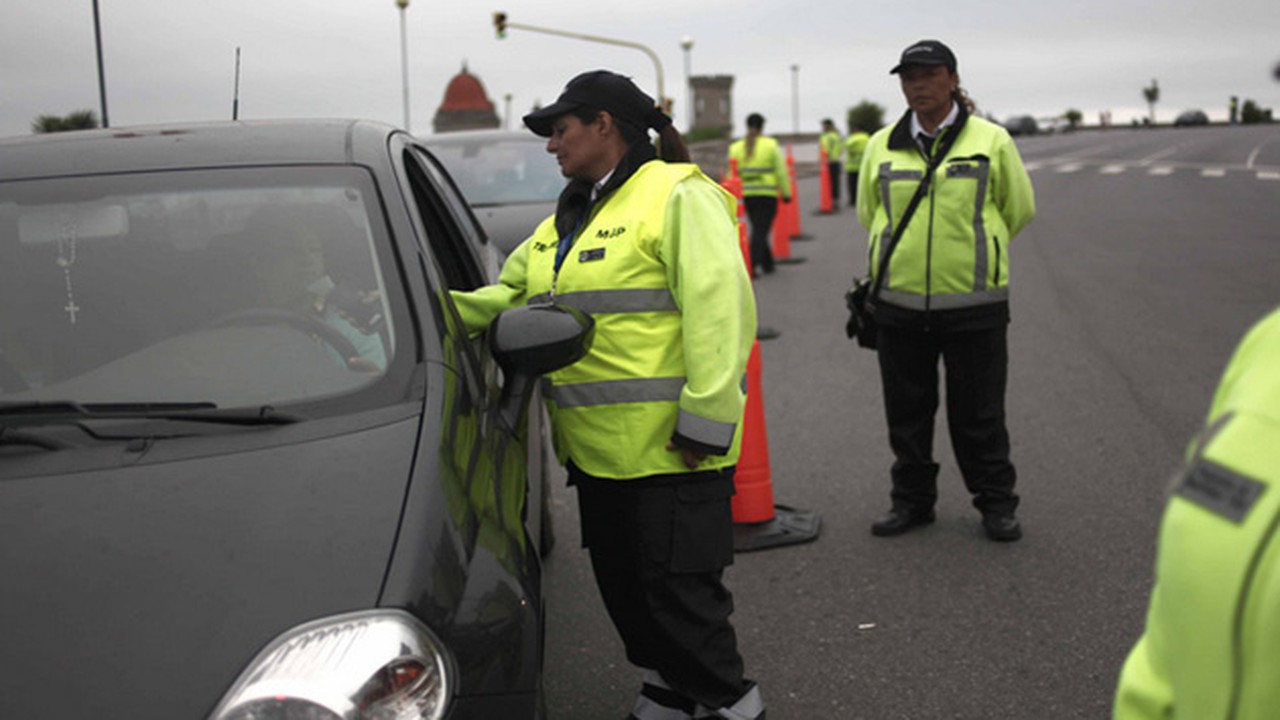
(1213, 172)
(1163, 153)
(1031, 166)
(1267, 175)
(1112, 169)
(1161, 170)
(1069, 168)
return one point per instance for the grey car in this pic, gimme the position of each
(508, 178)
(251, 463)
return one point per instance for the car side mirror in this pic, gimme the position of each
(531, 341)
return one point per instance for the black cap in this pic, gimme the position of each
(926, 52)
(604, 90)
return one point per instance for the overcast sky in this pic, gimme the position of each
(175, 60)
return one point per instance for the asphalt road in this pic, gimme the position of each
(1152, 252)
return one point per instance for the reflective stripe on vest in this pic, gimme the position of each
(615, 301)
(615, 392)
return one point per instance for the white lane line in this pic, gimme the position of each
(1112, 169)
(1213, 172)
(1268, 175)
(1069, 168)
(1163, 153)
(1032, 166)
(1161, 170)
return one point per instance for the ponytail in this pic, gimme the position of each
(671, 146)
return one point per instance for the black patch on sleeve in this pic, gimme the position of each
(1220, 490)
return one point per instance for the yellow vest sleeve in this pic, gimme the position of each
(708, 279)
(479, 307)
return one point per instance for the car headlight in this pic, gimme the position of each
(368, 665)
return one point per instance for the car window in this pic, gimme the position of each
(455, 246)
(492, 171)
(241, 287)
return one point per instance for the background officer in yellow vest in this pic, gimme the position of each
(946, 293)
(764, 175)
(831, 142)
(854, 147)
(648, 422)
(1211, 650)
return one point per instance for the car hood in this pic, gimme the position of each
(143, 590)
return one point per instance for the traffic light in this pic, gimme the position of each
(500, 24)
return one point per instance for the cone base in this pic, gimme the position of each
(789, 260)
(788, 527)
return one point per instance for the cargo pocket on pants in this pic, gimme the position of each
(702, 527)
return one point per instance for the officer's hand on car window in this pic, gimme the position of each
(691, 458)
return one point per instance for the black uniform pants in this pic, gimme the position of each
(833, 172)
(853, 187)
(761, 210)
(976, 364)
(658, 548)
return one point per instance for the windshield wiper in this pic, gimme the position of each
(19, 414)
(9, 436)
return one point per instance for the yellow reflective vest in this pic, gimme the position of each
(831, 142)
(1210, 649)
(954, 253)
(764, 171)
(657, 265)
(854, 147)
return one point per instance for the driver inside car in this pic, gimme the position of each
(288, 261)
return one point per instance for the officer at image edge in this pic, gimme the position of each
(1209, 650)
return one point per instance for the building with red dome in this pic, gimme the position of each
(465, 106)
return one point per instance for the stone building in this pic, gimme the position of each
(712, 102)
(466, 106)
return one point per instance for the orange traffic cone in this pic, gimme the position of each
(796, 232)
(733, 184)
(781, 232)
(757, 522)
(787, 222)
(824, 183)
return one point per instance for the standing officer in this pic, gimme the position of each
(831, 142)
(764, 175)
(1209, 651)
(854, 148)
(648, 421)
(946, 294)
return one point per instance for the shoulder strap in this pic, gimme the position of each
(940, 152)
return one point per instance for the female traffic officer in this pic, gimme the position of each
(946, 292)
(647, 422)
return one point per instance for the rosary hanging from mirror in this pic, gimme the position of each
(66, 258)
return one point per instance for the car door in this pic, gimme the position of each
(495, 596)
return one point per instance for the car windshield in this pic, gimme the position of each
(237, 287)
(497, 171)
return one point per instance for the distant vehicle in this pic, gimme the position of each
(1021, 125)
(508, 178)
(1191, 117)
(251, 463)
(1055, 124)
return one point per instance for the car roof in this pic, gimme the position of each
(187, 145)
(468, 136)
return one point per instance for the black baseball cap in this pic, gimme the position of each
(603, 90)
(926, 52)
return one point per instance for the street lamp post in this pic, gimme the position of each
(501, 24)
(102, 77)
(404, 60)
(686, 44)
(795, 99)
(506, 115)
